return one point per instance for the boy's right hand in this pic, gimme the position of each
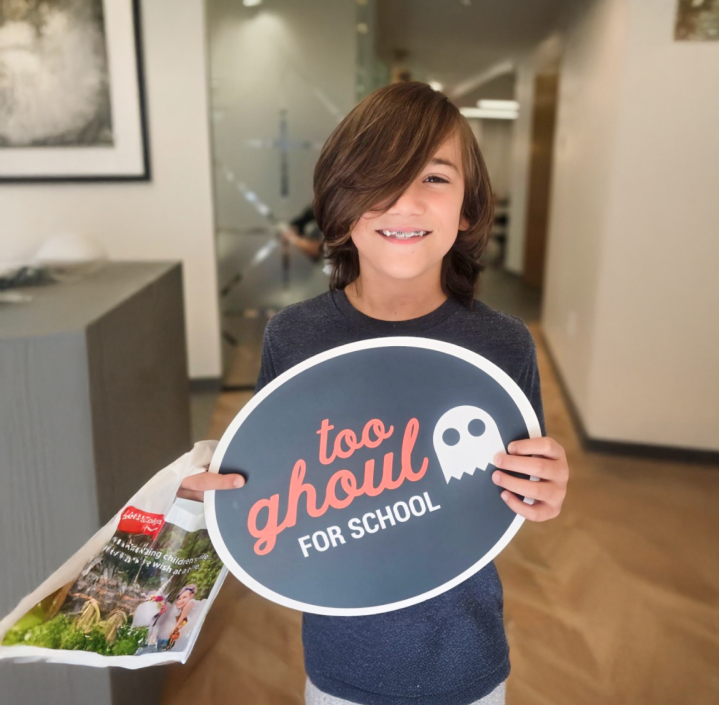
(195, 486)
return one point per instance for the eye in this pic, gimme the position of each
(476, 427)
(440, 180)
(451, 437)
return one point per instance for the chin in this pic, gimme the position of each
(401, 272)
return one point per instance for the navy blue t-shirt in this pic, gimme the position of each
(451, 649)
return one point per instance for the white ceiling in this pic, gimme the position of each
(452, 43)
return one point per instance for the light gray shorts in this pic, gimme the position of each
(314, 696)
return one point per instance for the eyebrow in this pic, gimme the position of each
(443, 162)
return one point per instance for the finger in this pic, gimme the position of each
(204, 481)
(539, 511)
(528, 511)
(191, 494)
(538, 467)
(527, 488)
(544, 446)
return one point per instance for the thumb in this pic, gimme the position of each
(204, 481)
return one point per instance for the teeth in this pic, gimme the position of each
(403, 235)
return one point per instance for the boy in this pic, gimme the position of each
(404, 201)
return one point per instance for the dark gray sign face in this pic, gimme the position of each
(368, 473)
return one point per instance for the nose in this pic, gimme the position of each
(410, 203)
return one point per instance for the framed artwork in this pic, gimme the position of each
(697, 21)
(72, 105)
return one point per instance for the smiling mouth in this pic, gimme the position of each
(403, 234)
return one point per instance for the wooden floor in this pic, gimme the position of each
(615, 602)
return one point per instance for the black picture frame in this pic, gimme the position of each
(139, 168)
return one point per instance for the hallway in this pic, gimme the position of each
(616, 601)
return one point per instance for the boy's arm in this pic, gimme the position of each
(530, 384)
(543, 458)
(267, 366)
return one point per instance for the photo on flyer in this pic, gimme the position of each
(143, 596)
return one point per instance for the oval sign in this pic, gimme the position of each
(368, 474)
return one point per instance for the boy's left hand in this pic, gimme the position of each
(549, 465)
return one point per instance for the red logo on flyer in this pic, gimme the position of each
(135, 521)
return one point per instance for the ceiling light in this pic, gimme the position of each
(251, 3)
(498, 104)
(436, 85)
(489, 114)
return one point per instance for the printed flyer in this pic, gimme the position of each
(137, 601)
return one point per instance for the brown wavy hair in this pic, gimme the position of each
(371, 158)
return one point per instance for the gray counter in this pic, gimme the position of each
(94, 399)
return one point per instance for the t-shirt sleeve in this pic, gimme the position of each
(529, 383)
(267, 367)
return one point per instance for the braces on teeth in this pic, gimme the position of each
(401, 235)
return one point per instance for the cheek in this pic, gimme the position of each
(444, 244)
(363, 235)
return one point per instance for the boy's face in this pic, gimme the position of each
(431, 205)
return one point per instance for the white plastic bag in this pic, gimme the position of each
(136, 594)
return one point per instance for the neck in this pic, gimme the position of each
(395, 300)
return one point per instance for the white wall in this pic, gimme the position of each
(659, 288)
(168, 218)
(632, 294)
(584, 147)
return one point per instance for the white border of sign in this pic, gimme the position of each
(509, 385)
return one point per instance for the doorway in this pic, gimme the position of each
(546, 86)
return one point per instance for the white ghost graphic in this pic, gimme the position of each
(466, 438)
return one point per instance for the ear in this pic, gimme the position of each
(463, 223)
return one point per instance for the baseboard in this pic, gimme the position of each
(201, 385)
(238, 387)
(635, 450)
